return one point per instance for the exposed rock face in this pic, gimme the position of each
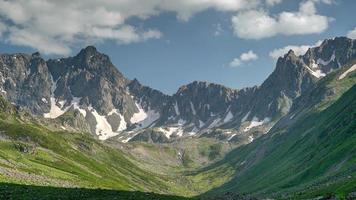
(25, 81)
(88, 93)
(91, 76)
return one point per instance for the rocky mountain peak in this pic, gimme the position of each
(329, 56)
(107, 104)
(36, 55)
(88, 51)
(290, 54)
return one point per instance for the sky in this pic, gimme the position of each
(168, 43)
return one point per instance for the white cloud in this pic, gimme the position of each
(298, 50)
(273, 2)
(257, 24)
(125, 34)
(186, 8)
(58, 25)
(37, 41)
(244, 57)
(235, 62)
(352, 34)
(218, 29)
(250, 55)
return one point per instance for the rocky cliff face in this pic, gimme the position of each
(25, 81)
(88, 93)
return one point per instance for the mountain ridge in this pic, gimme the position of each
(291, 137)
(110, 105)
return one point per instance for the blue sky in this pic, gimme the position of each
(165, 44)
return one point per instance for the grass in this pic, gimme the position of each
(314, 156)
(70, 159)
(27, 192)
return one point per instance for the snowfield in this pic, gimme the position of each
(343, 75)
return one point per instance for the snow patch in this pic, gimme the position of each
(193, 132)
(179, 132)
(250, 138)
(201, 124)
(76, 106)
(317, 73)
(55, 110)
(192, 107)
(139, 116)
(256, 122)
(144, 119)
(168, 131)
(245, 117)
(181, 122)
(126, 140)
(232, 136)
(214, 123)
(228, 117)
(103, 129)
(44, 100)
(3, 91)
(343, 75)
(322, 62)
(176, 109)
(123, 124)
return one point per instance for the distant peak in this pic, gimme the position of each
(135, 82)
(202, 85)
(336, 41)
(89, 50)
(291, 53)
(36, 54)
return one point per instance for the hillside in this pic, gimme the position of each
(310, 157)
(83, 128)
(35, 155)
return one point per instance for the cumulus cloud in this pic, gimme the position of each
(298, 50)
(244, 57)
(258, 24)
(53, 27)
(186, 8)
(352, 34)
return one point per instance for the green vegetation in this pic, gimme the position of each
(26, 192)
(312, 157)
(32, 154)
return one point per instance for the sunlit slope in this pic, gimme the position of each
(32, 154)
(313, 155)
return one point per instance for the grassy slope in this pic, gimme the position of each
(32, 154)
(177, 158)
(318, 149)
(30, 192)
(314, 156)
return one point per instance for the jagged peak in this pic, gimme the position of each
(36, 54)
(89, 50)
(290, 54)
(134, 83)
(201, 85)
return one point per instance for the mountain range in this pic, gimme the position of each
(291, 137)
